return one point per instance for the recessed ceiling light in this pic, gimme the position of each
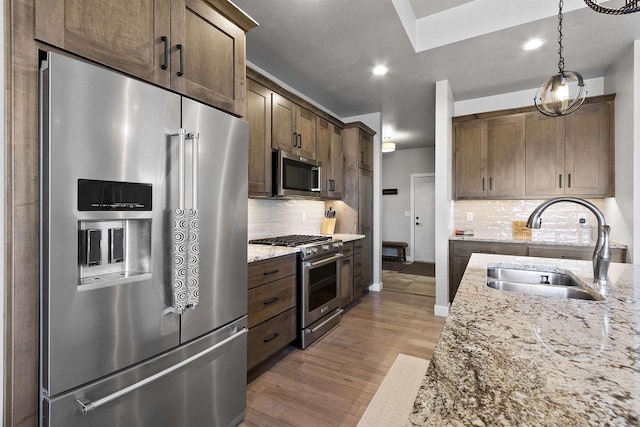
(380, 70)
(533, 44)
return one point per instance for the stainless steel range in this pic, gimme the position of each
(318, 283)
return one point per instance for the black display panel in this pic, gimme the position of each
(94, 195)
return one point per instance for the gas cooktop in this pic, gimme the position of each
(291, 240)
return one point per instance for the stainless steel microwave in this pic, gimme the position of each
(296, 176)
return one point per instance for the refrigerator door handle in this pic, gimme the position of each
(180, 235)
(193, 235)
(87, 405)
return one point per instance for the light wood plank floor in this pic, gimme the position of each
(332, 382)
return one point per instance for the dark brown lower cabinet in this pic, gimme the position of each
(271, 307)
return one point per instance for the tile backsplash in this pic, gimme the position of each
(492, 219)
(268, 217)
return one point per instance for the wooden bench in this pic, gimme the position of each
(399, 247)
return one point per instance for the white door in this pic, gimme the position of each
(424, 218)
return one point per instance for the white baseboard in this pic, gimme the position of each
(375, 287)
(441, 310)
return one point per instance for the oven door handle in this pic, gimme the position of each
(323, 261)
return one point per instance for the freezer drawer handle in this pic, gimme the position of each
(87, 405)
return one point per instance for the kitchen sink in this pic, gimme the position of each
(535, 282)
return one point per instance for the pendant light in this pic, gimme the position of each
(555, 98)
(630, 6)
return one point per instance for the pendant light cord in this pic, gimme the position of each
(560, 16)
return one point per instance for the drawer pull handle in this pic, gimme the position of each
(271, 337)
(271, 301)
(269, 273)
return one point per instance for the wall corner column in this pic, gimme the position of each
(443, 196)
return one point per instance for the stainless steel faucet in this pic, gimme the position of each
(602, 251)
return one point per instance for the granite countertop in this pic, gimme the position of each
(506, 358)
(262, 252)
(613, 245)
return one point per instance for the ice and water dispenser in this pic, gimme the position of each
(113, 250)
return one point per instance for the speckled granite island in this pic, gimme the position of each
(509, 359)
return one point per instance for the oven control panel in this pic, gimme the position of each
(318, 250)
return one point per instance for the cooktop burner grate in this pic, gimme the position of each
(291, 240)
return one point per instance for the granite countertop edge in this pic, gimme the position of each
(612, 245)
(507, 358)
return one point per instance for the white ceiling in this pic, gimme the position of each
(326, 48)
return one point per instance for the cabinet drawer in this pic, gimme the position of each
(357, 246)
(466, 249)
(270, 270)
(270, 336)
(347, 249)
(357, 264)
(271, 299)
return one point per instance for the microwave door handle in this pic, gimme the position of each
(318, 169)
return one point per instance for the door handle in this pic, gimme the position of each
(294, 141)
(185, 276)
(165, 57)
(181, 49)
(87, 405)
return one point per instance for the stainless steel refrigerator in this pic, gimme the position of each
(143, 254)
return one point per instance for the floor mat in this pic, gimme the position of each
(408, 283)
(393, 401)
(420, 269)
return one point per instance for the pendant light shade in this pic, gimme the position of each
(388, 146)
(562, 94)
(565, 91)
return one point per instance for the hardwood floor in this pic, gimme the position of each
(332, 382)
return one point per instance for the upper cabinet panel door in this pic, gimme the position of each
(306, 127)
(470, 152)
(366, 151)
(207, 56)
(123, 34)
(283, 133)
(337, 165)
(323, 151)
(505, 156)
(259, 118)
(587, 151)
(544, 155)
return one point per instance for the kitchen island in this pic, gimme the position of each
(507, 358)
